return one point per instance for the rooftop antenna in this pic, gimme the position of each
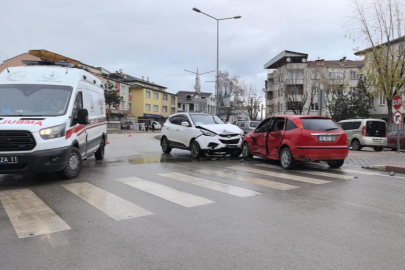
(197, 86)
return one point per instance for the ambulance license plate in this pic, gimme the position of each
(8, 160)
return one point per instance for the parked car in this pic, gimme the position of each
(392, 140)
(365, 133)
(247, 126)
(157, 125)
(201, 133)
(297, 138)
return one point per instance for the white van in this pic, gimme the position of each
(51, 118)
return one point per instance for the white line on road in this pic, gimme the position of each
(339, 176)
(29, 215)
(280, 175)
(249, 179)
(110, 204)
(164, 192)
(232, 190)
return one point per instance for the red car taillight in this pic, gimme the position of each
(364, 130)
(298, 123)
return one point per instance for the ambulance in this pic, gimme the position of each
(52, 117)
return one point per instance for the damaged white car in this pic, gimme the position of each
(201, 134)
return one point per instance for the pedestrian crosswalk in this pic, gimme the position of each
(31, 216)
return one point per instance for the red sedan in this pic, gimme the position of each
(392, 140)
(297, 138)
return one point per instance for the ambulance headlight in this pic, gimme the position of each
(53, 132)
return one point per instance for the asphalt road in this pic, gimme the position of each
(140, 209)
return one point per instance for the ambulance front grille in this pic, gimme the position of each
(16, 141)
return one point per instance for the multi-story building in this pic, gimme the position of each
(380, 105)
(189, 101)
(149, 101)
(297, 85)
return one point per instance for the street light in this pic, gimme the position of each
(222, 19)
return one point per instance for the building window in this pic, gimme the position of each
(130, 106)
(381, 100)
(173, 110)
(123, 105)
(165, 97)
(354, 75)
(156, 96)
(164, 109)
(315, 90)
(314, 106)
(336, 75)
(293, 105)
(147, 107)
(123, 90)
(147, 93)
(179, 106)
(352, 88)
(155, 108)
(173, 101)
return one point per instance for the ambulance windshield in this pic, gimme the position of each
(34, 100)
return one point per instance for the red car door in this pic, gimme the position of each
(259, 138)
(392, 139)
(276, 136)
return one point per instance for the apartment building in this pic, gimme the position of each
(202, 102)
(295, 84)
(149, 101)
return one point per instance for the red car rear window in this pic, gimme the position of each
(319, 124)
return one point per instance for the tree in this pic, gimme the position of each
(112, 99)
(380, 25)
(291, 84)
(250, 98)
(360, 100)
(235, 103)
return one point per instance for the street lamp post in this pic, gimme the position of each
(217, 79)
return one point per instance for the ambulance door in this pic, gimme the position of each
(93, 129)
(79, 130)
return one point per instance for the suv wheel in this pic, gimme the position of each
(336, 163)
(356, 146)
(195, 149)
(165, 145)
(246, 151)
(287, 161)
(73, 165)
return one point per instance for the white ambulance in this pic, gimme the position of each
(52, 117)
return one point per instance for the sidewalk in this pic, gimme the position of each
(386, 160)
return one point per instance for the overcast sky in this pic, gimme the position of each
(160, 38)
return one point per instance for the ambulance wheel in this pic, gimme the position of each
(73, 165)
(99, 155)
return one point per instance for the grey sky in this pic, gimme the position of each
(161, 38)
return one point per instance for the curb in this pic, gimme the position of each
(387, 168)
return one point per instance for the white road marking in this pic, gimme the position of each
(29, 215)
(110, 204)
(339, 176)
(232, 190)
(249, 179)
(280, 175)
(164, 192)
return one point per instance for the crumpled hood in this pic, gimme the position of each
(33, 124)
(222, 128)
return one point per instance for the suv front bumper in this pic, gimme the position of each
(220, 144)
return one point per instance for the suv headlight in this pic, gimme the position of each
(208, 133)
(53, 132)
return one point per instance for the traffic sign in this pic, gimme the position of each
(397, 102)
(397, 117)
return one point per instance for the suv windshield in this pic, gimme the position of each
(34, 100)
(319, 124)
(205, 119)
(375, 129)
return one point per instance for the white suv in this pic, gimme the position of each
(201, 133)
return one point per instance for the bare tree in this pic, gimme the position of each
(235, 102)
(380, 25)
(292, 86)
(250, 97)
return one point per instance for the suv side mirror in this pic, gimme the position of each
(83, 117)
(185, 124)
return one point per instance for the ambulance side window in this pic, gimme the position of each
(76, 106)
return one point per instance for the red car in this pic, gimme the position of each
(392, 140)
(297, 138)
